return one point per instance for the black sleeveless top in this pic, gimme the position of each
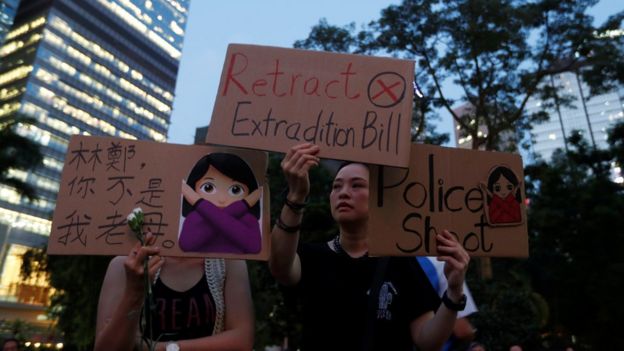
(182, 315)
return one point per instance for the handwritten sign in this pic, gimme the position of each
(354, 107)
(477, 195)
(105, 178)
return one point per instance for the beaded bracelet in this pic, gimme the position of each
(288, 229)
(294, 206)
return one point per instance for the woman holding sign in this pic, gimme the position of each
(189, 311)
(352, 301)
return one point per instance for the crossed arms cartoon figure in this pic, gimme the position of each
(220, 206)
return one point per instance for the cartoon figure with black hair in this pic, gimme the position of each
(221, 207)
(503, 197)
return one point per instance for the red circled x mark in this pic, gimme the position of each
(386, 90)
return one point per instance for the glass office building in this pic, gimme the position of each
(8, 8)
(592, 116)
(92, 67)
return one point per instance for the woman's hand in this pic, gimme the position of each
(133, 265)
(456, 261)
(296, 165)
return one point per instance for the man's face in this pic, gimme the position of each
(349, 195)
(10, 346)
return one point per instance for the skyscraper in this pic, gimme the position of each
(7, 14)
(93, 67)
(591, 115)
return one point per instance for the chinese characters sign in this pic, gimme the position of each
(104, 179)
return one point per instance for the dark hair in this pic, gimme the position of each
(231, 166)
(507, 173)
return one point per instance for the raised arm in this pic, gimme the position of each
(284, 261)
(121, 298)
(430, 331)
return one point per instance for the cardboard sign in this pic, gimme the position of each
(477, 195)
(105, 178)
(354, 107)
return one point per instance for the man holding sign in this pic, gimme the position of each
(354, 301)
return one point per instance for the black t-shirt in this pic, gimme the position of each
(334, 289)
(181, 315)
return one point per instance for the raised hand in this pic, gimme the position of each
(296, 165)
(456, 261)
(134, 264)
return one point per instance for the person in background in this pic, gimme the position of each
(10, 344)
(352, 301)
(463, 331)
(476, 346)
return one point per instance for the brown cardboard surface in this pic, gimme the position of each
(442, 190)
(105, 178)
(354, 107)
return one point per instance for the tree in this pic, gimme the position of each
(576, 230)
(17, 152)
(499, 53)
(77, 281)
(326, 37)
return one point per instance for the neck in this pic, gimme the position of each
(354, 239)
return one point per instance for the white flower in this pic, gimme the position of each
(135, 222)
(136, 212)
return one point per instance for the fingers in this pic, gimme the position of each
(300, 158)
(455, 257)
(134, 261)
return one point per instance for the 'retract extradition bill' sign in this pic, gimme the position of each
(354, 107)
(197, 200)
(476, 195)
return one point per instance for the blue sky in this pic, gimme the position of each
(212, 25)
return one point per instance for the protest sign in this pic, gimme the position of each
(354, 107)
(105, 178)
(477, 195)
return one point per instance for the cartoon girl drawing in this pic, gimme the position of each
(220, 206)
(503, 197)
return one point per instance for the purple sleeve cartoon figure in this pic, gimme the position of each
(221, 207)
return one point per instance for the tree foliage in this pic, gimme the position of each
(499, 53)
(77, 281)
(17, 152)
(577, 235)
(278, 314)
